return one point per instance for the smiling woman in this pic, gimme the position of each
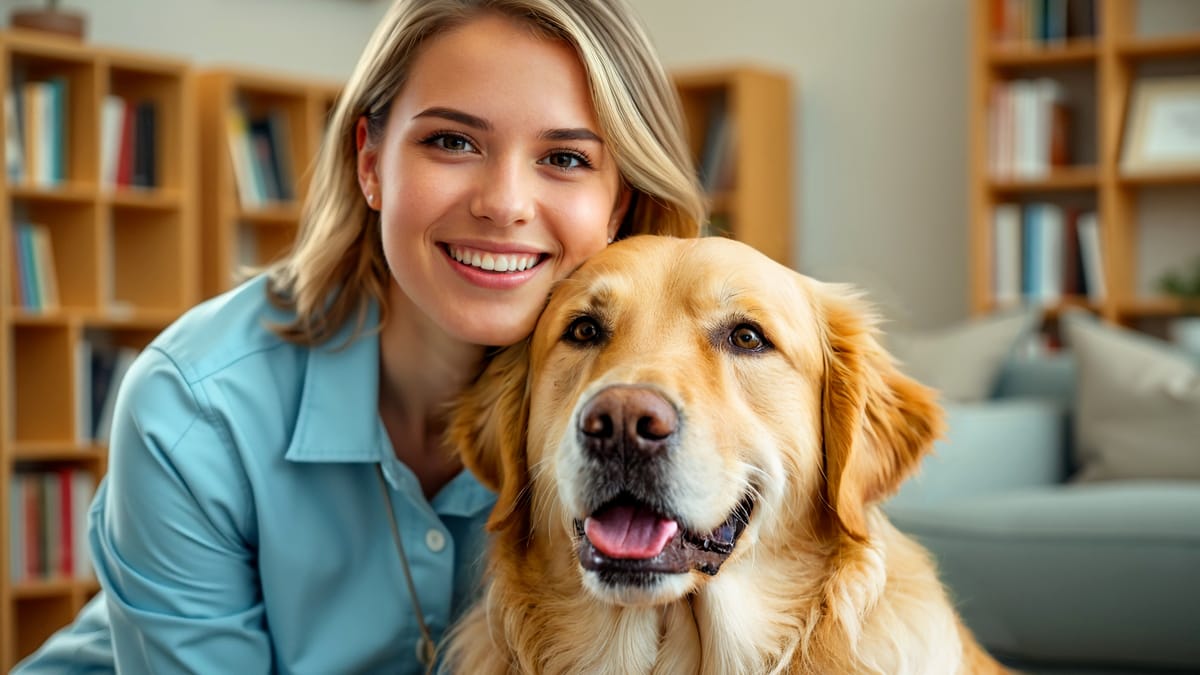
(269, 445)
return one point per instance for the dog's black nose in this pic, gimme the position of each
(628, 418)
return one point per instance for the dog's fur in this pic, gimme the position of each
(805, 414)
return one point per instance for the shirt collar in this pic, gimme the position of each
(338, 419)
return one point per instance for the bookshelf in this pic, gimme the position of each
(247, 225)
(121, 256)
(1094, 67)
(740, 129)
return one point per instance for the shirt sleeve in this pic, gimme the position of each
(173, 533)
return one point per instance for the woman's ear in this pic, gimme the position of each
(620, 208)
(367, 161)
(488, 429)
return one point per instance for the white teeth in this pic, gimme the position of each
(494, 262)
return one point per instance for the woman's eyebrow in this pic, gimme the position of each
(476, 122)
(580, 134)
(456, 116)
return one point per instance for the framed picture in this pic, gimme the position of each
(1162, 131)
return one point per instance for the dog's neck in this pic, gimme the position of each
(744, 620)
(755, 616)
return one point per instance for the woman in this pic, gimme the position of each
(278, 496)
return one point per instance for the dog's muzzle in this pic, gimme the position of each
(627, 434)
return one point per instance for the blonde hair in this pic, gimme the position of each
(336, 267)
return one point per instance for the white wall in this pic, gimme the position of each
(881, 118)
(880, 191)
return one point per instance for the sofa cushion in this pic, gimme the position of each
(1097, 573)
(1137, 412)
(962, 361)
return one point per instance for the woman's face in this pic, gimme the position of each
(491, 179)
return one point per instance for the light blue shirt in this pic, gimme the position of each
(242, 528)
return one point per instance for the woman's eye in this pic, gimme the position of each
(583, 330)
(567, 160)
(451, 142)
(747, 338)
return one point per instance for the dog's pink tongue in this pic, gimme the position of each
(629, 532)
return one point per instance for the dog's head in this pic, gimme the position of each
(683, 402)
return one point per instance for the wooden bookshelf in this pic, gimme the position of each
(241, 233)
(125, 266)
(1099, 72)
(751, 198)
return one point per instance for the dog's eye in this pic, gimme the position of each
(583, 330)
(747, 338)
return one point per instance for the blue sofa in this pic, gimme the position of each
(1055, 576)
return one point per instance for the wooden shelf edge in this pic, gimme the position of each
(1165, 178)
(155, 199)
(280, 214)
(34, 589)
(1026, 54)
(1059, 179)
(1173, 46)
(112, 318)
(55, 451)
(1149, 307)
(69, 192)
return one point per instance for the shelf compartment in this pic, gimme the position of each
(261, 242)
(163, 88)
(140, 275)
(44, 365)
(73, 239)
(43, 608)
(30, 63)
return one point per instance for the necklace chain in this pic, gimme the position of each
(427, 649)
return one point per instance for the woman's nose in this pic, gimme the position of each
(504, 194)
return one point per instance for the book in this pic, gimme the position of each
(279, 131)
(123, 358)
(237, 133)
(1050, 230)
(145, 171)
(83, 391)
(16, 528)
(56, 130)
(112, 138)
(127, 147)
(14, 153)
(1006, 233)
(83, 490)
(716, 155)
(1091, 255)
(31, 490)
(45, 272)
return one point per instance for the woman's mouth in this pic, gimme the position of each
(490, 261)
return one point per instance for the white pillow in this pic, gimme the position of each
(963, 361)
(1137, 404)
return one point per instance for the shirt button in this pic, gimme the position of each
(426, 654)
(435, 540)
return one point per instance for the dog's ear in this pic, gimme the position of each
(877, 422)
(488, 430)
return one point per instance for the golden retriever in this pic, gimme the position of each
(689, 452)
